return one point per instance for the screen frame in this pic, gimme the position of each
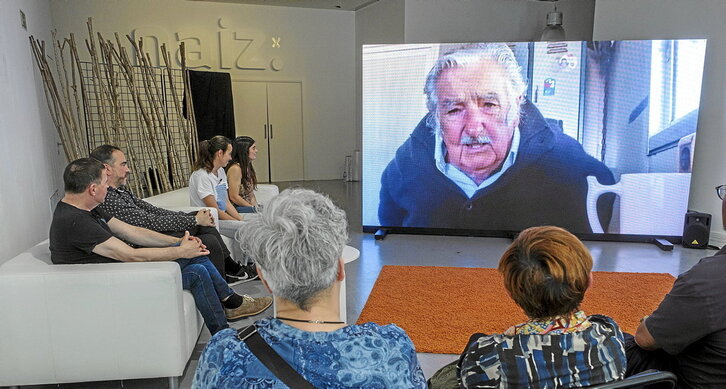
(372, 228)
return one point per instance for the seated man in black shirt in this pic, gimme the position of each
(125, 206)
(81, 233)
(686, 334)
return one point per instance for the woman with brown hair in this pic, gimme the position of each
(241, 174)
(546, 271)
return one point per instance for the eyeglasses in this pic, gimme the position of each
(721, 191)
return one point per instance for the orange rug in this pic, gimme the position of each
(440, 307)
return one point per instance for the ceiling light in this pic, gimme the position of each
(553, 31)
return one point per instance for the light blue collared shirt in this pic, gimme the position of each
(460, 178)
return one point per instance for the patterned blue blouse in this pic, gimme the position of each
(593, 356)
(357, 356)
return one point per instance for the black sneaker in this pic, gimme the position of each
(239, 277)
(251, 269)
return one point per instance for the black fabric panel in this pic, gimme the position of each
(213, 105)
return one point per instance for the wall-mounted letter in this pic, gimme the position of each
(196, 48)
(237, 50)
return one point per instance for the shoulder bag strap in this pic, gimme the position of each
(271, 359)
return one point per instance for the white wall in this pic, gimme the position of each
(672, 19)
(29, 157)
(317, 47)
(429, 21)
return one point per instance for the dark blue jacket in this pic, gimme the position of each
(547, 185)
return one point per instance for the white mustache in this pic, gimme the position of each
(467, 140)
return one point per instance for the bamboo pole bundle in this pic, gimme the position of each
(191, 118)
(60, 111)
(100, 92)
(112, 89)
(155, 102)
(47, 80)
(63, 78)
(161, 173)
(126, 139)
(155, 90)
(172, 88)
(117, 102)
(146, 140)
(176, 133)
(81, 115)
(141, 158)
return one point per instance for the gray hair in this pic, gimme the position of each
(470, 54)
(297, 241)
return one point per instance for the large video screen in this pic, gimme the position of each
(595, 137)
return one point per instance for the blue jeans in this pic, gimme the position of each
(243, 209)
(200, 277)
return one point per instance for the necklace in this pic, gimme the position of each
(563, 324)
(310, 321)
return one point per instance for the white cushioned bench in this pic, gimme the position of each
(93, 322)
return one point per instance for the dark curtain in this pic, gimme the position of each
(213, 106)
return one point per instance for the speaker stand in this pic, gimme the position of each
(380, 234)
(662, 244)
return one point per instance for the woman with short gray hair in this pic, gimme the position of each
(297, 244)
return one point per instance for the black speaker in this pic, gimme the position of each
(696, 229)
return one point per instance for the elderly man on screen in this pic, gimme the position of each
(484, 157)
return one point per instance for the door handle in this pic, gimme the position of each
(265, 131)
(270, 131)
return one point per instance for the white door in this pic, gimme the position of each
(284, 107)
(250, 119)
(271, 113)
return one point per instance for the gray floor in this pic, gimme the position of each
(427, 251)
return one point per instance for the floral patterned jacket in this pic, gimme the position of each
(357, 356)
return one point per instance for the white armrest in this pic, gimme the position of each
(104, 318)
(265, 192)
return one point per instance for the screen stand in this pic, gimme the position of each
(662, 244)
(381, 234)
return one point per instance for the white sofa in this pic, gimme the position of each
(93, 322)
(178, 200)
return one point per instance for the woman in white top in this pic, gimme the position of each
(208, 187)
